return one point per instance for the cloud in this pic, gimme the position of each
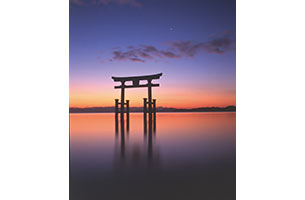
(141, 54)
(216, 46)
(133, 3)
(136, 60)
(169, 54)
(176, 49)
(78, 2)
(186, 48)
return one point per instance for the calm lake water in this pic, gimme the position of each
(189, 156)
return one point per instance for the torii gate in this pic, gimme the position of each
(135, 84)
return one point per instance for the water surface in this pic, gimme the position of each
(189, 156)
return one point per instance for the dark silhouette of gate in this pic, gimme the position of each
(149, 103)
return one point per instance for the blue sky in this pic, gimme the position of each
(192, 42)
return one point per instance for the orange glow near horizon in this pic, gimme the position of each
(180, 126)
(166, 97)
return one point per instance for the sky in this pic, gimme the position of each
(192, 42)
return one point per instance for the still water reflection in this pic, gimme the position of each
(190, 156)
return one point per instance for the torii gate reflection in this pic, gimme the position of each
(151, 102)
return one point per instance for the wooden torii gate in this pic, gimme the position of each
(135, 84)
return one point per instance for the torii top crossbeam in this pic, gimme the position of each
(136, 81)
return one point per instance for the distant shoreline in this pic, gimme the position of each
(156, 112)
(158, 109)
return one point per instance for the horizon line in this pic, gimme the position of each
(157, 107)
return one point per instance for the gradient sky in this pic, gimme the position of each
(192, 42)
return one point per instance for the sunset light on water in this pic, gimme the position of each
(184, 146)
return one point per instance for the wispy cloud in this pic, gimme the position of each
(176, 49)
(141, 54)
(190, 49)
(134, 3)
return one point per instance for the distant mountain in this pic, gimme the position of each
(159, 109)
